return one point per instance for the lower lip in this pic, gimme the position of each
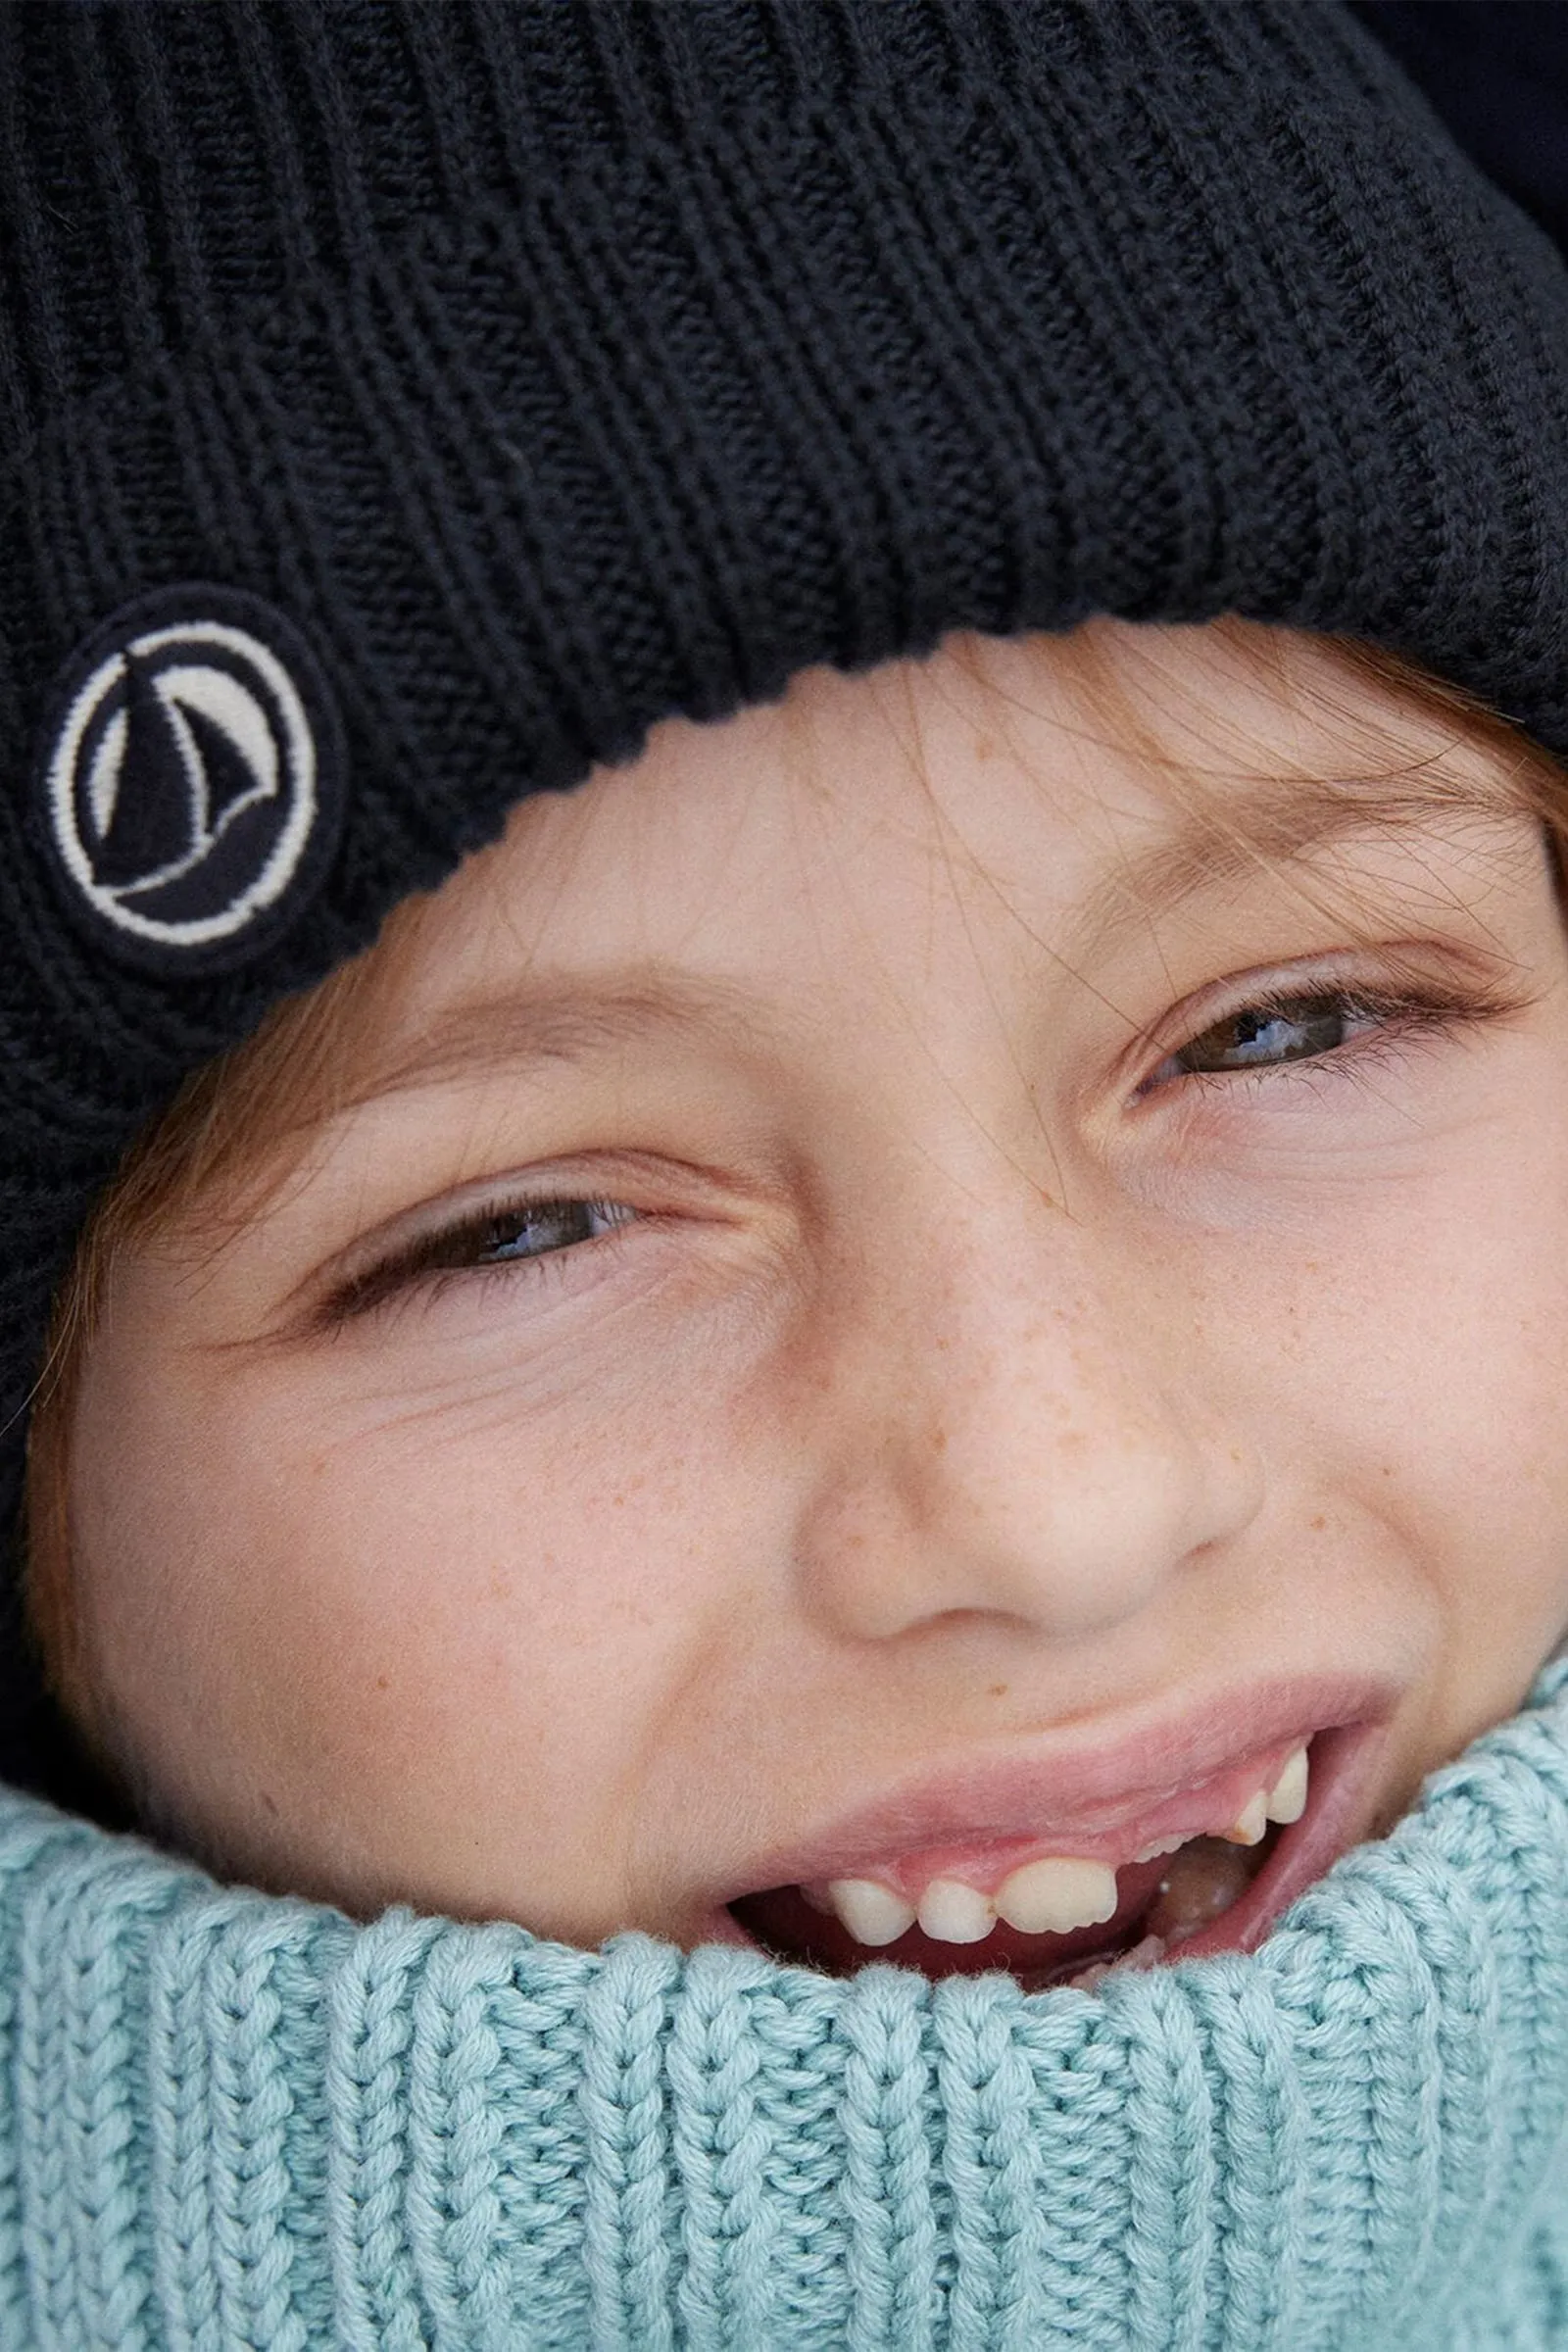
(1345, 1770)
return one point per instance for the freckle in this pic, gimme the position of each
(998, 1690)
(938, 1443)
(618, 1501)
(984, 748)
(1319, 1521)
(381, 1683)
(1388, 1469)
(271, 1803)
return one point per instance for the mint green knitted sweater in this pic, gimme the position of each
(227, 2121)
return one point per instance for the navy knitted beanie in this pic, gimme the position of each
(403, 406)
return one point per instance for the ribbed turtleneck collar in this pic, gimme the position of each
(229, 2120)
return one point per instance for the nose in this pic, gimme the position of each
(1023, 1440)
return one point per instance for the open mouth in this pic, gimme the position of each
(1207, 1870)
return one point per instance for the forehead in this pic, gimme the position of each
(1082, 777)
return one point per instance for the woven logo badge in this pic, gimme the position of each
(191, 779)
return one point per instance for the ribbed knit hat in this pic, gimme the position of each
(405, 406)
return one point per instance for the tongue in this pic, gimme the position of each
(1202, 1879)
(1173, 1896)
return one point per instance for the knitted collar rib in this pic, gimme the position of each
(228, 2120)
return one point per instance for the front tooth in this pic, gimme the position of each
(1249, 1824)
(954, 1913)
(1054, 1896)
(872, 1913)
(1286, 1800)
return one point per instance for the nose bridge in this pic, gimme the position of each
(1023, 1435)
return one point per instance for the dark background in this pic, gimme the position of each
(1496, 70)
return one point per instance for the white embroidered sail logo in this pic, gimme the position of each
(182, 787)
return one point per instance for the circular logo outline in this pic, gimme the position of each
(290, 694)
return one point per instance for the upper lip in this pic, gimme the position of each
(1072, 1788)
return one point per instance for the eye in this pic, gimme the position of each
(534, 1229)
(1350, 1025)
(500, 1234)
(1261, 1035)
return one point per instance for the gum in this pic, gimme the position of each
(1204, 1809)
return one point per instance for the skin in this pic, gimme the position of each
(972, 1377)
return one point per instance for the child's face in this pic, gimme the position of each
(795, 1367)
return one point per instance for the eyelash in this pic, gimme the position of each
(1396, 1013)
(454, 1253)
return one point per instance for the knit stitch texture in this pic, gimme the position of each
(230, 2120)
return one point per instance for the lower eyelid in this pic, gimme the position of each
(551, 1265)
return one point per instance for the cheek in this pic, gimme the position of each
(440, 1656)
(1409, 1359)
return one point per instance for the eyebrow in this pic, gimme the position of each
(569, 1023)
(1277, 822)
